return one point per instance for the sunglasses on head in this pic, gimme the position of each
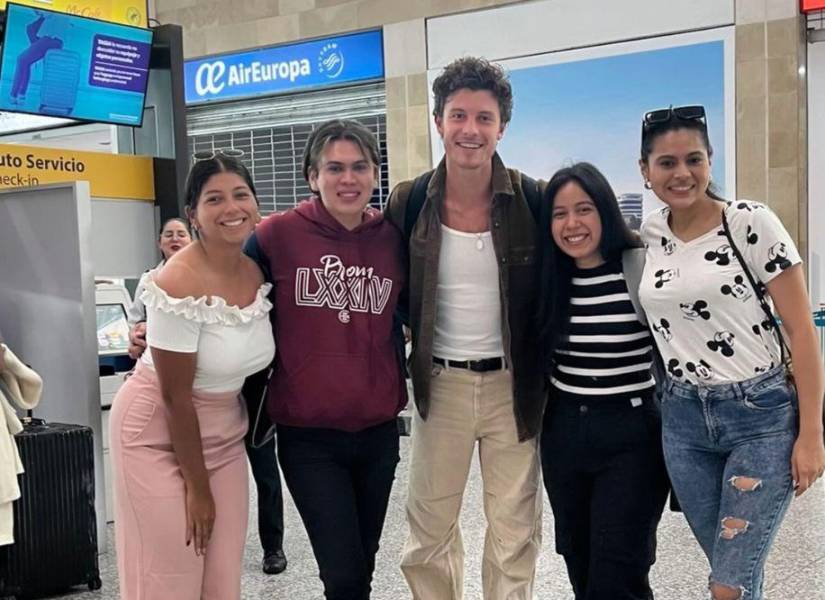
(210, 154)
(665, 115)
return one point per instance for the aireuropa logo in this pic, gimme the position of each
(209, 78)
(331, 60)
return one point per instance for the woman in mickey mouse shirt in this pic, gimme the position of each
(737, 441)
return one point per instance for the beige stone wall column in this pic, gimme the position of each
(771, 121)
(408, 119)
(215, 26)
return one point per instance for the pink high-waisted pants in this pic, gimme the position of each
(154, 562)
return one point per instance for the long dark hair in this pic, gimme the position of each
(556, 266)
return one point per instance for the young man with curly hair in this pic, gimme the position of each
(475, 363)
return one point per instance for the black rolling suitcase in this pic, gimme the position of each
(55, 528)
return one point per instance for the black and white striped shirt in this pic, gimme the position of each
(608, 352)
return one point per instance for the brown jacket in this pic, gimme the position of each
(515, 241)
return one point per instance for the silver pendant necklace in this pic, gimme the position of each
(479, 242)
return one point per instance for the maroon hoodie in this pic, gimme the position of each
(335, 291)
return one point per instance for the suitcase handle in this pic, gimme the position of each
(31, 421)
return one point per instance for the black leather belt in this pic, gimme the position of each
(481, 365)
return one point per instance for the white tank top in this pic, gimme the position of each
(468, 302)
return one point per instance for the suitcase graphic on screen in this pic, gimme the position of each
(55, 528)
(61, 77)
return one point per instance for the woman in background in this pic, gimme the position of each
(173, 236)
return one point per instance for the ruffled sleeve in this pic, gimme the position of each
(175, 323)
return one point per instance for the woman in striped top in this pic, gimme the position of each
(600, 447)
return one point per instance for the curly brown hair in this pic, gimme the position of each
(474, 73)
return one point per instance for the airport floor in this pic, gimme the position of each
(796, 567)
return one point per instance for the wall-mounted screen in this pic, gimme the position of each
(112, 329)
(62, 65)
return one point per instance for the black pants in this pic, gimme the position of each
(606, 479)
(341, 484)
(270, 500)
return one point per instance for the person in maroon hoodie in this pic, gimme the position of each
(337, 384)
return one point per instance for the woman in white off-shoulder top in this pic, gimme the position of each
(177, 425)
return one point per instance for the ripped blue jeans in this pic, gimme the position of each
(728, 451)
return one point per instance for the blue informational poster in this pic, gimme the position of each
(68, 66)
(289, 68)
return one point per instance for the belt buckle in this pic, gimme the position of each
(483, 365)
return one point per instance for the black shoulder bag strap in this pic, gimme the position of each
(418, 195)
(757, 288)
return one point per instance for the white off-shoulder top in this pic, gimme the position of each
(231, 342)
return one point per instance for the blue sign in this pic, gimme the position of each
(64, 65)
(330, 61)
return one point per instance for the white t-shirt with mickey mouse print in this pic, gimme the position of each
(706, 319)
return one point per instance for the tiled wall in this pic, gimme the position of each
(408, 119)
(771, 123)
(408, 122)
(770, 93)
(213, 26)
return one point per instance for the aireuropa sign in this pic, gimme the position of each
(329, 61)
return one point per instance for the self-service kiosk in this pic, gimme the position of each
(112, 301)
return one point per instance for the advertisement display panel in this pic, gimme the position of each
(290, 68)
(62, 65)
(128, 12)
(588, 105)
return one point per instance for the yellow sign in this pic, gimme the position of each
(109, 175)
(128, 12)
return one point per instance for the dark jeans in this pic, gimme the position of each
(341, 484)
(606, 479)
(270, 500)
